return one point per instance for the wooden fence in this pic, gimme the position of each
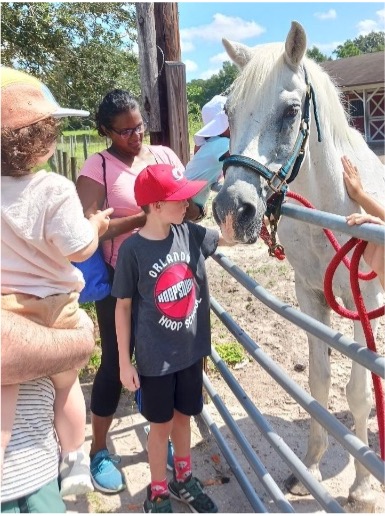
(72, 151)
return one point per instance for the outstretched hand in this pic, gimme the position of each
(361, 218)
(352, 179)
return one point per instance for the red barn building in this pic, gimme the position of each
(361, 79)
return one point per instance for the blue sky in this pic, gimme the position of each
(327, 24)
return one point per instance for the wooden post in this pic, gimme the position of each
(149, 68)
(53, 161)
(65, 164)
(177, 110)
(59, 162)
(74, 175)
(85, 150)
(168, 42)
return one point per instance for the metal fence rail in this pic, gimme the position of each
(349, 441)
(371, 232)
(344, 345)
(368, 359)
(263, 475)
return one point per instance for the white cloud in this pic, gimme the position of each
(209, 73)
(327, 48)
(366, 26)
(222, 26)
(186, 46)
(191, 66)
(331, 14)
(219, 58)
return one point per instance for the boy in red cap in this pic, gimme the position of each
(161, 286)
(43, 229)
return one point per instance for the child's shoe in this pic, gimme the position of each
(75, 476)
(191, 492)
(160, 503)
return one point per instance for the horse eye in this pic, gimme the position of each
(291, 111)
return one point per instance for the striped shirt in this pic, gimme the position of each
(31, 458)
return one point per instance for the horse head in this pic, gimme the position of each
(265, 109)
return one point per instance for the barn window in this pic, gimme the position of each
(356, 107)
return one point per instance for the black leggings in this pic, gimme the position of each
(107, 386)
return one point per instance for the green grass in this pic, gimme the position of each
(231, 352)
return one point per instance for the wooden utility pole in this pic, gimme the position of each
(149, 69)
(168, 43)
(172, 80)
(163, 76)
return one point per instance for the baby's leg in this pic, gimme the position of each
(70, 423)
(70, 411)
(9, 394)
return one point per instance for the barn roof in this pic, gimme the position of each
(357, 70)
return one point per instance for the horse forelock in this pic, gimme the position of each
(261, 66)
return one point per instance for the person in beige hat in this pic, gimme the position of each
(43, 229)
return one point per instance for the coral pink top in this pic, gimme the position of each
(120, 188)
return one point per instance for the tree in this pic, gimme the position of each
(80, 50)
(372, 42)
(348, 49)
(315, 54)
(200, 91)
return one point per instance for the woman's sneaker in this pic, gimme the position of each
(191, 492)
(105, 475)
(75, 476)
(170, 450)
(160, 503)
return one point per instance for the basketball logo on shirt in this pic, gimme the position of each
(175, 291)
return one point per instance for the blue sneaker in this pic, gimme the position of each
(105, 476)
(170, 450)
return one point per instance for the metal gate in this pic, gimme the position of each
(370, 360)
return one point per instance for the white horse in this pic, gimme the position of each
(265, 108)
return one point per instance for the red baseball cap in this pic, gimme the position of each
(164, 182)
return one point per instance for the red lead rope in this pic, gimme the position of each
(361, 313)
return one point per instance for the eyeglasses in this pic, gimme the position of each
(127, 133)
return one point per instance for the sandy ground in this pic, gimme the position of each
(288, 347)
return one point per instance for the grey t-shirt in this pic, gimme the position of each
(166, 280)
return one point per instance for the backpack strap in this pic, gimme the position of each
(106, 199)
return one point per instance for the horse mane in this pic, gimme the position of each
(265, 69)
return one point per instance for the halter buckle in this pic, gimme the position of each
(282, 185)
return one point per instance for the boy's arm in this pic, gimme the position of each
(29, 350)
(128, 373)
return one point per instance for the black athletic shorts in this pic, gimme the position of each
(158, 396)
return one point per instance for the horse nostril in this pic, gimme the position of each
(246, 213)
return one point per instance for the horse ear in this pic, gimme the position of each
(295, 46)
(238, 53)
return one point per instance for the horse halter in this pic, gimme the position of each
(278, 181)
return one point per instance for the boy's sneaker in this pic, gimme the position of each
(170, 450)
(105, 476)
(75, 476)
(191, 492)
(159, 504)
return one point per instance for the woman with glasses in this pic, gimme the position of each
(119, 118)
